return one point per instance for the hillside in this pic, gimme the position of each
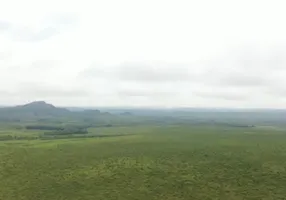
(40, 110)
(42, 113)
(34, 110)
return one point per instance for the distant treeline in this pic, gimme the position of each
(240, 125)
(44, 127)
(62, 128)
(59, 130)
(10, 137)
(68, 131)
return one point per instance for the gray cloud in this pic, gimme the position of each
(47, 28)
(53, 25)
(141, 72)
(4, 55)
(4, 26)
(257, 57)
(242, 67)
(96, 71)
(25, 34)
(153, 72)
(248, 67)
(6, 93)
(36, 70)
(226, 95)
(228, 80)
(40, 90)
(237, 76)
(60, 19)
(242, 80)
(144, 93)
(43, 64)
(278, 91)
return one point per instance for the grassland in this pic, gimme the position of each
(147, 162)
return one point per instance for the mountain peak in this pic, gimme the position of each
(38, 104)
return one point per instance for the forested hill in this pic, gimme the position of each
(40, 110)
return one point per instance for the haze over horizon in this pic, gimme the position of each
(143, 53)
(134, 107)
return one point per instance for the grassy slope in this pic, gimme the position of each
(154, 163)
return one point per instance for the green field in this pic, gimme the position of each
(147, 162)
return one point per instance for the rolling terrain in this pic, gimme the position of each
(54, 153)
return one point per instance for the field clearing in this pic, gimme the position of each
(148, 162)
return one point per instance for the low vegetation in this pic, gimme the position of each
(149, 162)
(46, 153)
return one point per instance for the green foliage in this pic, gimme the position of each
(68, 131)
(6, 137)
(44, 127)
(149, 162)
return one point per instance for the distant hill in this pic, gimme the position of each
(37, 109)
(40, 112)
(37, 105)
(41, 107)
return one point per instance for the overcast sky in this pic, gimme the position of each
(166, 53)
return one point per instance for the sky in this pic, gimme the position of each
(144, 53)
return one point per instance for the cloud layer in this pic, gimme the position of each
(43, 30)
(92, 54)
